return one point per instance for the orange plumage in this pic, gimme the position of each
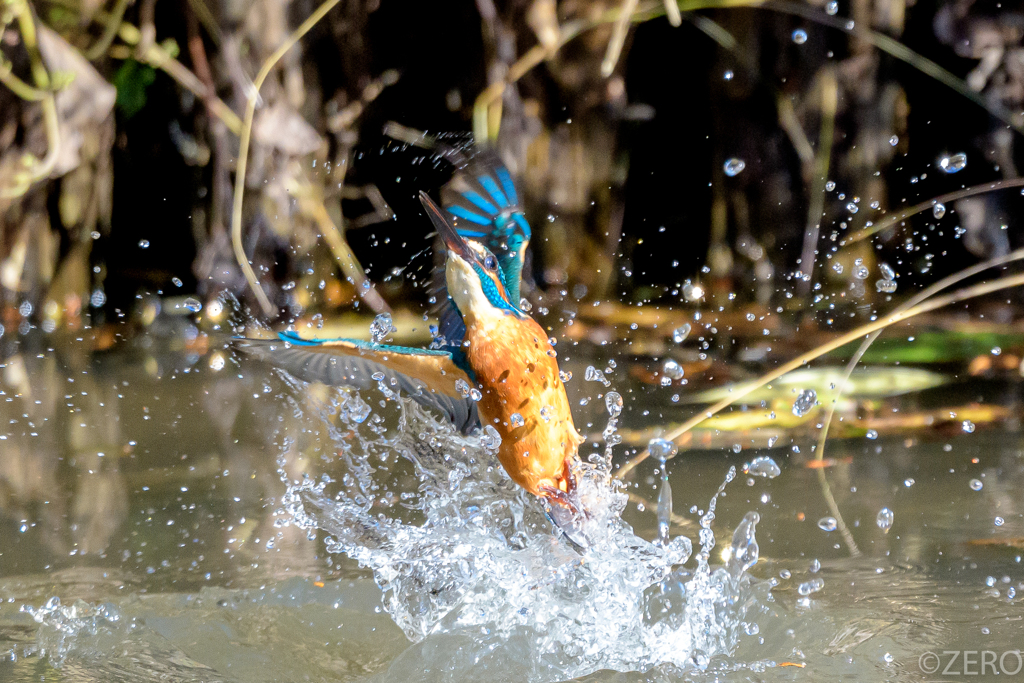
(517, 373)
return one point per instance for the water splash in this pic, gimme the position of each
(77, 628)
(382, 327)
(468, 552)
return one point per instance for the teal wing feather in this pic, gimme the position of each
(484, 204)
(429, 377)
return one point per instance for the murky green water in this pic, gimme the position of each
(149, 479)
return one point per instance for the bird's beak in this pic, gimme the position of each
(452, 240)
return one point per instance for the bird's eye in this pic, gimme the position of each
(491, 263)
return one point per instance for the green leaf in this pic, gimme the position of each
(131, 81)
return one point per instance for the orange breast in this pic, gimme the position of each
(515, 367)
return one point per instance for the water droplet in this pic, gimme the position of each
(968, 426)
(888, 658)
(733, 167)
(745, 551)
(884, 519)
(662, 449)
(475, 395)
(999, 521)
(462, 386)
(887, 272)
(594, 375)
(852, 208)
(838, 267)
(516, 420)
(908, 482)
(954, 163)
(872, 434)
(885, 286)
(564, 375)
(861, 272)
(491, 438)
(192, 304)
(815, 566)
(939, 210)
(799, 36)
(827, 524)
(804, 402)
(894, 140)
(700, 660)
(763, 466)
(831, 7)
(545, 413)
(975, 484)
(613, 402)
(692, 292)
(176, 282)
(809, 587)
(381, 327)
(728, 75)
(830, 185)
(680, 334)
(358, 409)
(672, 369)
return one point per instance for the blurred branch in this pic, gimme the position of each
(618, 38)
(207, 19)
(901, 52)
(672, 10)
(925, 205)
(840, 387)
(342, 252)
(815, 173)
(147, 27)
(243, 151)
(36, 170)
(491, 95)
(110, 29)
(877, 39)
(18, 86)
(889, 319)
(158, 57)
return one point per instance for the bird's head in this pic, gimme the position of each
(474, 277)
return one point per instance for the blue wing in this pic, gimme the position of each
(429, 377)
(484, 204)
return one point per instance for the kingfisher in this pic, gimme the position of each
(492, 346)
